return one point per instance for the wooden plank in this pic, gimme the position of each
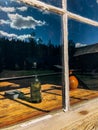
(43, 6)
(82, 118)
(83, 94)
(16, 111)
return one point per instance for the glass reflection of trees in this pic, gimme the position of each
(19, 55)
(32, 35)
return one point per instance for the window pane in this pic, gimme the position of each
(86, 8)
(57, 3)
(28, 35)
(83, 53)
(30, 47)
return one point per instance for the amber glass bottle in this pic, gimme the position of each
(35, 91)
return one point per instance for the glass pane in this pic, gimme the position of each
(28, 35)
(30, 50)
(86, 8)
(57, 3)
(83, 54)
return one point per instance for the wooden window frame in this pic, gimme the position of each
(65, 15)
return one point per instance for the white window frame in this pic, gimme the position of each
(65, 15)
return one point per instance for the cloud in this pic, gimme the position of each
(23, 8)
(20, 22)
(7, 9)
(77, 45)
(44, 11)
(24, 37)
(97, 1)
(17, 1)
(12, 9)
(4, 22)
(7, 35)
(14, 36)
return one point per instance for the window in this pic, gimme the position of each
(49, 39)
(85, 8)
(53, 2)
(83, 55)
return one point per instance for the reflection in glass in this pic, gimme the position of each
(30, 46)
(86, 8)
(83, 53)
(57, 3)
(27, 36)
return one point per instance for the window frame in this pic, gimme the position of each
(65, 15)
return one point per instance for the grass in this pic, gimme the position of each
(12, 73)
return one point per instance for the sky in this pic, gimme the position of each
(83, 34)
(19, 21)
(57, 3)
(86, 8)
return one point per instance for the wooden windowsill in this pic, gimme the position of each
(85, 117)
(17, 111)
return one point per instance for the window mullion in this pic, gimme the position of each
(66, 98)
(82, 19)
(44, 6)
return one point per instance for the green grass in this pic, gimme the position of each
(12, 73)
(31, 72)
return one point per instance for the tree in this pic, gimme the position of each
(71, 51)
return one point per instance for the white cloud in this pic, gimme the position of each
(23, 8)
(7, 35)
(4, 22)
(20, 22)
(14, 36)
(77, 45)
(7, 9)
(97, 1)
(15, 1)
(44, 11)
(23, 37)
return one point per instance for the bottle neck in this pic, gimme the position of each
(36, 78)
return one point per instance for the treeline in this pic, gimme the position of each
(19, 55)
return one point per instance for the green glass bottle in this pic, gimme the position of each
(35, 91)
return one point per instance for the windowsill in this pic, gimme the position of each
(85, 116)
(16, 111)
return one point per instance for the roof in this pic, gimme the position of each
(86, 50)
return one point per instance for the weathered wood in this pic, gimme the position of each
(82, 19)
(85, 118)
(82, 118)
(43, 6)
(15, 111)
(18, 110)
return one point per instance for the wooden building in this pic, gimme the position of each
(86, 58)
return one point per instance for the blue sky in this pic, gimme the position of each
(57, 3)
(18, 21)
(83, 34)
(86, 8)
